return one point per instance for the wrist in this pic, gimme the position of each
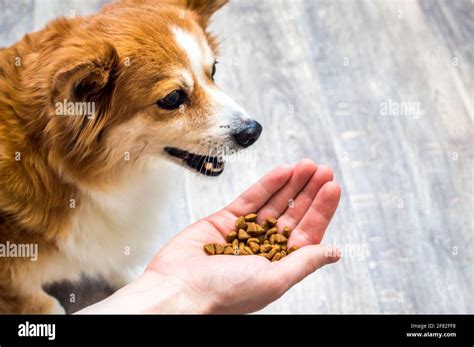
(170, 295)
(152, 293)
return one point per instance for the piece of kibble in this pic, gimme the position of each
(271, 222)
(219, 248)
(292, 249)
(228, 251)
(250, 238)
(272, 253)
(270, 232)
(243, 235)
(252, 229)
(254, 247)
(210, 249)
(235, 244)
(260, 230)
(279, 238)
(231, 236)
(253, 239)
(252, 217)
(272, 239)
(248, 250)
(276, 257)
(240, 223)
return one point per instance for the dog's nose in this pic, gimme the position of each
(248, 133)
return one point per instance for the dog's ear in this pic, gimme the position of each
(88, 77)
(83, 87)
(204, 8)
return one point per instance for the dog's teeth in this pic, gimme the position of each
(211, 168)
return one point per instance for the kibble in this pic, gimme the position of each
(272, 222)
(210, 249)
(219, 249)
(271, 232)
(292, 249)
(241, 223)
(272, 253)
(228, 250)
(277, 257)
(231, 236)
(252, 217)
(254, 247)
(251, 238)
(252, 229)
(243, 235)
(279, 238)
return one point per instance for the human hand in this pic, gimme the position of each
(182, 278)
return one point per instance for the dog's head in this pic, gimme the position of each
(146, 69)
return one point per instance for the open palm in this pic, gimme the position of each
(229, 284)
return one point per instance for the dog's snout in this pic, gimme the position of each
(248, 133)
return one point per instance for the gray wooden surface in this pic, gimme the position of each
(319, 75)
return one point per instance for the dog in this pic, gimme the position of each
(90, 108)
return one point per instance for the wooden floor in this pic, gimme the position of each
(380, 90)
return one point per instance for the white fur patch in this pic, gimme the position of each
(114, 232)
(227, 111)
(198, 53)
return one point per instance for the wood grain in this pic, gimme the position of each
(318, 74)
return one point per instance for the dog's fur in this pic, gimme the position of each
(85, 190)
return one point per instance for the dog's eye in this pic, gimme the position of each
(214, 69)
(173, 100)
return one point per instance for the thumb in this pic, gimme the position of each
(303, 262)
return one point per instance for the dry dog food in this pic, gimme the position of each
(251, 238)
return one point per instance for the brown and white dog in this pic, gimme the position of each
(88, 108)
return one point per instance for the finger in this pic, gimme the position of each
(311, 228)
(301, 263)
(258, 194)
(279, 202)
(294, 213)
(223, 221)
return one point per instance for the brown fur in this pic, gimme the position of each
(78, 59)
